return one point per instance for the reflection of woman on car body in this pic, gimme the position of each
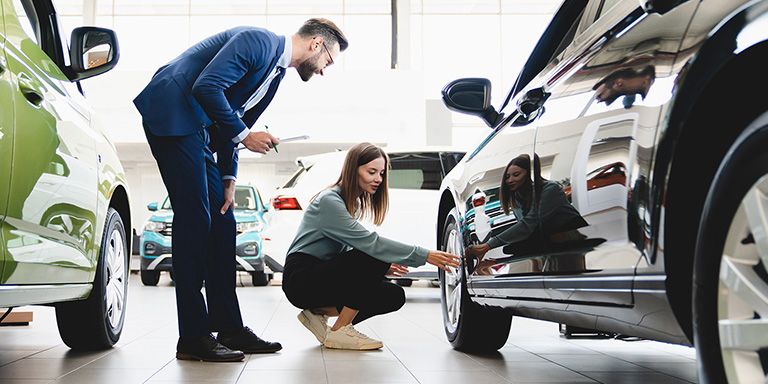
(336, 267)
(549, 213)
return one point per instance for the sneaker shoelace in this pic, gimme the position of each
(354, 332)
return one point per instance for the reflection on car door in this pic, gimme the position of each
(50, 225)
(596, 138)
(6, 137)
(484, 217)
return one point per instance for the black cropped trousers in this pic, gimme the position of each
(352, 279)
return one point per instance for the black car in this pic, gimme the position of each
(671, 244)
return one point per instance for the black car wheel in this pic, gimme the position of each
(150, 278)
(731, 275)
(259, 278)
(97, 322)
(469, 326)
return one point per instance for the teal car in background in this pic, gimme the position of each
(155, 242)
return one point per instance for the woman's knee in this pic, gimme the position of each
(394, 296)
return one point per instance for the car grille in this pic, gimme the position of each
(168, 231)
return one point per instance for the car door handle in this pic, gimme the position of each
(27, 88)
(475, 178)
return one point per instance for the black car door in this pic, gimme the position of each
(595, 137)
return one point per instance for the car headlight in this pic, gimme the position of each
(150, 249)
(251, 249)
(250, 226)
(154, 226)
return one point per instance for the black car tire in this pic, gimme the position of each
(86, 324)
(150, 278)
(745, 164)
(480, 328)
(404, 282)
(260, 279)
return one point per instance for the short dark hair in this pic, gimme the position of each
(325, 28)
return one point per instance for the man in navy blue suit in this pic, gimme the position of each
(204, 102)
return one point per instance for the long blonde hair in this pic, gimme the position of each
(361, 204)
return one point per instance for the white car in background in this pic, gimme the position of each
(414, 183)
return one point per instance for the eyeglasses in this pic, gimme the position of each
(330, 58)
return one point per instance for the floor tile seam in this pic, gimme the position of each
(325, 366)
(395, 355)
(158, 371)
(562, 366)
(27, 356)
(659, 373)
(636, 364)
(274, 313)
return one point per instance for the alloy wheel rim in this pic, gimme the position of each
(452, 283)
(116, 279)
(743, 289)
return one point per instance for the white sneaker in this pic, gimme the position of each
(317, 324)
(347, 337)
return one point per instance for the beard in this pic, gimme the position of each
(308, 67)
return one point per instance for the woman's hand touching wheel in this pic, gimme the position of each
(443, 260)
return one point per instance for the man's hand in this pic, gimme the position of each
(229, 195)
(443, 260)
(397, 270)
(260, 142)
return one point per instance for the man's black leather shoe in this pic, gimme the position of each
(206, 348)
(247, 341)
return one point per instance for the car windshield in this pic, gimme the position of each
(415, 171)
(295, 177)
(245, 199)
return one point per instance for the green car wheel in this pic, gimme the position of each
(97, 322)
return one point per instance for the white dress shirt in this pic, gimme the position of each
(284, 61)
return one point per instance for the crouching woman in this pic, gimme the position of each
(337, 267)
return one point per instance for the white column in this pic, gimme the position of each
(403, 34)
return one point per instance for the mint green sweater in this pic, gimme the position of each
(327, 229)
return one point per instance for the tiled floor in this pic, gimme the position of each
(415, 350)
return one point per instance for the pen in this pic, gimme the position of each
(266, 127)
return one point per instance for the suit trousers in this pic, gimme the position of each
(203, 242)
(352, 279)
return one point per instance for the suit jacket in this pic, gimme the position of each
(208, 84)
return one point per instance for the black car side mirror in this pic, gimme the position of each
(529, 106)
(471, 96)
(94, 51)
(659, 6)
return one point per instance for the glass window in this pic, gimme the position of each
(228, 7)
(166, 204)
(244, 198)
(461, 7)
(295, 177)
(605, 7)
(28, 19)
(371, 44)
(150, 7)
(135, 33)
(370, 7)
(415, 171)
(304, 7)
(205, 26)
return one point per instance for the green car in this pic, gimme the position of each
(155, 243)
(64, 209)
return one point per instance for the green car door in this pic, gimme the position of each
(6, 133)
(50, 220)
